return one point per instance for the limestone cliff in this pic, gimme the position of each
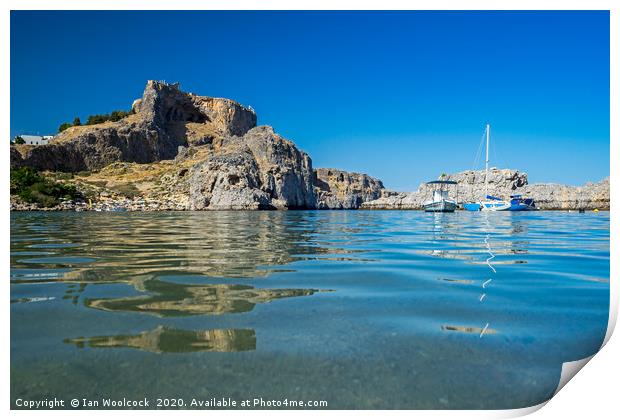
(336, 189)
(260, 170)
(164, 119)
(565, 197)
(181, 151)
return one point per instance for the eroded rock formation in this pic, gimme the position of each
(181, 151)
(198, 152)
(337, 189)
(260, 170)
(164, 119)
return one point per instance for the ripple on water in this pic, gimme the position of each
(365, 309)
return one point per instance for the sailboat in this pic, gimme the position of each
(491, 203)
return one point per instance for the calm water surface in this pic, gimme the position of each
(361, 309)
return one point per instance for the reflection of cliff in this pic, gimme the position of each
(172, 299)
(171, 340)
(214, 244)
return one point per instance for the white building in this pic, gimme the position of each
(36, 140)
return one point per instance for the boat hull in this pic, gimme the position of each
(471, 206)
(522, 207)
(443, 206)
(522, 204)
(495, 206)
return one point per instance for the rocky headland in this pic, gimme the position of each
(502, 183)
(181, 151)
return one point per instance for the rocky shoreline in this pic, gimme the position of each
(502, 183)
(181, 151)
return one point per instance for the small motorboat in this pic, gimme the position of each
(441, 201)
(518, 203)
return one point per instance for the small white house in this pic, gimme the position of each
(36, 140)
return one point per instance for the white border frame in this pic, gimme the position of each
(596, 385)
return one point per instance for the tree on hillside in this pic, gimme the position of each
(63, 127)
(19, 140)
(96, 119)
(76, 121)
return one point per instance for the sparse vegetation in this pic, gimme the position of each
(63, 127)
(113, 116)
(96, 119)
(129, 190)
(33, 187)
(62, 176)
(19, 140)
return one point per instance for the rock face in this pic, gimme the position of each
(164, 119)
(336, 189)
(260, 170)
(564, 197)
(210, 153)
(182, 151)
(502, 183)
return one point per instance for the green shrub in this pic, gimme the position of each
(96, 119)
(33, 187)
(19, 140)
(113, 116)
(62, 176)
(129, 190)
(63, 127)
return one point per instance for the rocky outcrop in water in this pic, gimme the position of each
(335, 189)
(502, 183)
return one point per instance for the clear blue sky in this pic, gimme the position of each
(403, 96)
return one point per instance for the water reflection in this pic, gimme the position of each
(468, 330)
(172, 340)
(173, 299)
(414, 296)
(213, 244)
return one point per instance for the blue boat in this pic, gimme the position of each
(518, 203)
(471, 206)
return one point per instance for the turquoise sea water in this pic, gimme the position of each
(362, 309)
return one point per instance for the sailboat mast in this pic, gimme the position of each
(486, 169)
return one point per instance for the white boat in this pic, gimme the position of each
(491, 203)
(494, 204)
(441, 201)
